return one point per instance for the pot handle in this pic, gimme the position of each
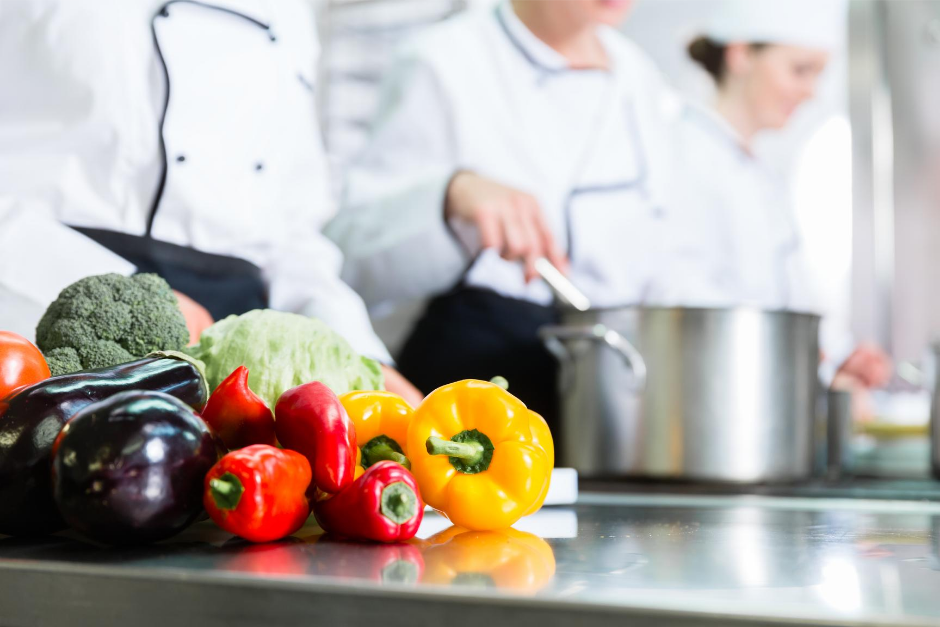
(555, 336)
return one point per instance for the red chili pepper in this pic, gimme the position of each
(259, 492)
(312, 421)
(384, 505)
(239, 416)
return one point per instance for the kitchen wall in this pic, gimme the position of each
(895, 91)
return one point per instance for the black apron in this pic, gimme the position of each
(473, 333)
(223, 285)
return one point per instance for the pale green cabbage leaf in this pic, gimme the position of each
(283, 350)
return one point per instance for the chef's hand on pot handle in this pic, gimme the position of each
(868, 366)
(508, 220)
(398, 384)
(198, 318)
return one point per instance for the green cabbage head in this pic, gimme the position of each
(283, 350)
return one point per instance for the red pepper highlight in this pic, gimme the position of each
(312, 421)
(239, 416)
(287, 556)
(259, 492)
(383, 505)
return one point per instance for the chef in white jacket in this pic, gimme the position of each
(765, 57)
(528, 129)
(175, 137)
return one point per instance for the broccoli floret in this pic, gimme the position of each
(63, 361)
(110, 319)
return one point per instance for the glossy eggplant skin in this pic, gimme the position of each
(31, 419)
(130, 469)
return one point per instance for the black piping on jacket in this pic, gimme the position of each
(164, 12)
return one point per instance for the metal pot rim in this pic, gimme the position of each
(702, 310)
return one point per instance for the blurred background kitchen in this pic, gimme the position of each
(859, 160)
(858, 165)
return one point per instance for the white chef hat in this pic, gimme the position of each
(809, 23)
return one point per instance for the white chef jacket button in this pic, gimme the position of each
(259, 166)
(272, 37)
(181, 158)
(165, 12)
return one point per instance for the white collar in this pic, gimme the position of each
(720, 126)
(542, 57)
(251, 9)
(537, 52)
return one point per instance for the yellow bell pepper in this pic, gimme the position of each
(359, 469)
(476, 456)
(381, 420)
(542, 435)
(507, 559)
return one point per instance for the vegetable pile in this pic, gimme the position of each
(120, 454)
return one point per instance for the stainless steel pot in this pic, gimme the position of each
(703, 394)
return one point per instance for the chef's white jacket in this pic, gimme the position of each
(745, 226)
(482, 93)
(741, 229)
(80, 128)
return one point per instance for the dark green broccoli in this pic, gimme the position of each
(63, 360)
(110, 319)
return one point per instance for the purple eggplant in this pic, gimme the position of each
(130, 469)
(31, 419)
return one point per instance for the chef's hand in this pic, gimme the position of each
(198, 318)
(508, 220)
(398, 384)
(868, 367)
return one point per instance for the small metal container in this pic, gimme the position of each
(935, 414)
(838, 434)
(694, 394)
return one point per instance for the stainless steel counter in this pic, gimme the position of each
(644, 558)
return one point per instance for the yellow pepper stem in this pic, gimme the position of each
(472, 452)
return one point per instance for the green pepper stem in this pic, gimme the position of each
(500, 382)
(398, 502)
(382, 452)
(471, 452)
(226, 491)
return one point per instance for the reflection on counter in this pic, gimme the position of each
(935, 543)
(399, 563)
(506, 559)
(824, 558)
(509, 559)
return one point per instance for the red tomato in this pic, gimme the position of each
(21, 363)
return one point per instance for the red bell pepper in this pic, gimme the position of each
(238, 415)
(312, 421)
(259, 492)
(384, 505)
